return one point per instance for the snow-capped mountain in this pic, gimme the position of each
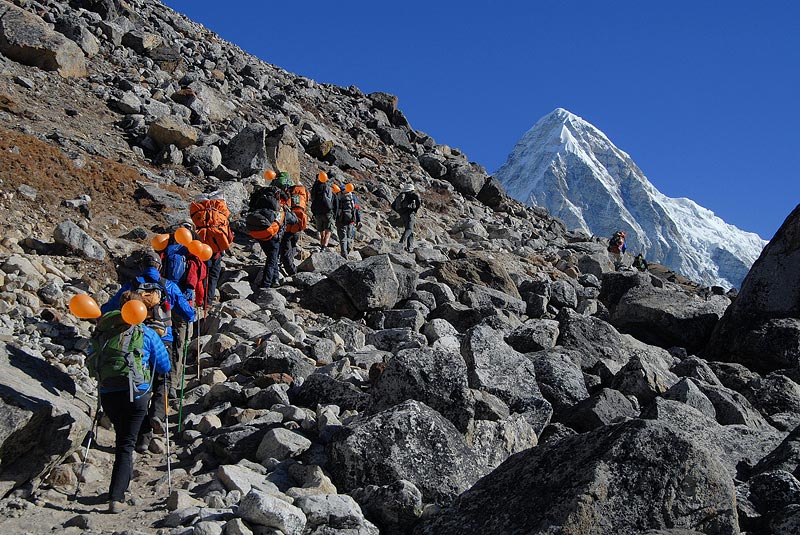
(571, 168)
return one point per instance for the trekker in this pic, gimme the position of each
(186, 270)
(161, 296)
(298, 198)
(617, 247)
(640, 263)
(266, 220)
(322, 205)
(347, 217)
(125, 397)
(211, 218)
(407, 203)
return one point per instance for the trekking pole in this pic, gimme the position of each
(183, 378)
(166, 434)
(88, 445)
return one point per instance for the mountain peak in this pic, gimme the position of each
(570, 167)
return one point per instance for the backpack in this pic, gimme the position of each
(210, 217)
(117, 353)
(266, 197)
(298, 197)
(265, 223)
(406, 202)
(346, 212)
(321, 198)
(173, 263)
(614, 244)
(154, 296)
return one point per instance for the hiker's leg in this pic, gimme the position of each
(214, 271)
(291, 252)
(127, 418)
(412, 218)
(271, 249)
(180, 333)
(340, 233)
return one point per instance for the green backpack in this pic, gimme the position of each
(117, 352)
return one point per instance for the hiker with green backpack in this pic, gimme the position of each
(161, 297)
(124, 358)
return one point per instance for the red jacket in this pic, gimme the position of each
(196, 273)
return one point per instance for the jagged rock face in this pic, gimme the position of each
(761, 329)
(628, 481)
(571, 168)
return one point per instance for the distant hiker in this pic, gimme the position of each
(407, 203)
(161, 296)
(298, 199)
(124, 360)
(267, 216)
(210, 216)
(189, 273)
(348, 215)
(640, 263)
(616, 246)
(322, 205)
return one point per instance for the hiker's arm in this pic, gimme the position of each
(180, 303)
(154, 347)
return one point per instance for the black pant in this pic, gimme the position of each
(407, 239)
(214, 271)
(288, 251)
(271, 249)
(127, 418)
(160, 383)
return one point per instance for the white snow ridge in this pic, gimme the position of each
(571, 168)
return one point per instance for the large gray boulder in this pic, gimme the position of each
(434, 376)
(76, 239)
(26, 38)
(668, 317)
(375, 283)
(37, 401)
(627, 478)
(559, 377)
(247, 152)
(496, 368)
(761, 329)
(737, 447)
(602, 408)
(603, 350)
(410, 441)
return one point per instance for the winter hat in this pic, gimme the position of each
(151, 259)
(284, 180)
(408, 187)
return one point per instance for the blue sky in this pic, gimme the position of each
(704, 96)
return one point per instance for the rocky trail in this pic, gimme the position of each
(502, 377)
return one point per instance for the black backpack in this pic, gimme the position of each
(406, 202)
(266, 197)
(321, 198)
(346, 212)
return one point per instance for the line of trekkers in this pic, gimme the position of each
(145, 328)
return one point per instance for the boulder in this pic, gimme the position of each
(274, 357)
(730, 407)
(737, 447)
(785, 457)
(321, 389)
(375, 283)
(37, 401)
(27, 39)
(426, 449)
(484, 298)
(626, 478)
(493, 366)
(686, 391)
(776, 397)
(267, 510)
(336, 512)
(170, 131)
(559, 377)
(496, 441)
(761, 329)
(603, 408)
(76, 239)
(247, 152)
(434, 376)
(477, 269)
(283, 150)
(323, 262)
(281, 444)
(534, 335)
(394, 508)
(667, 317)
(207, 158)
(598, 343)
(645, 376)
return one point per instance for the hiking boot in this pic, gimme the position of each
(143, 443)
(116, 507)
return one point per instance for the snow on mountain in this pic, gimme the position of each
(571, 168)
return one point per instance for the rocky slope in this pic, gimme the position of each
(571, 168)
(391, 392)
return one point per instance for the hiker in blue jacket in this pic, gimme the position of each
(127, 416)
(159, 319)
